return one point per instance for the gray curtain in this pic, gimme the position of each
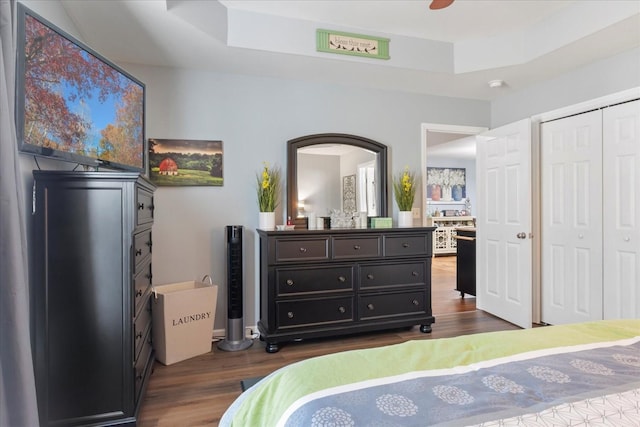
(18, 405)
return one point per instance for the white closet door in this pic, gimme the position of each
(571, 162)
(621, 197)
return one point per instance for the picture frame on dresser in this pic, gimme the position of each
(349, 193)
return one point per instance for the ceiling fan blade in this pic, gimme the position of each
(440, 4)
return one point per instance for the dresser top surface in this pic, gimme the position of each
(345, 231)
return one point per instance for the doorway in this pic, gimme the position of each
(447, 146)
(445, 299)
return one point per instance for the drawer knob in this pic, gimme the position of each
(149, 243)
(139, 335)
(148, 275)
(140, 206)
(356, 247)
(303, 250)
(342, 310)
(414, 273)
(290, 315)
(342, 279)
(370, 276)
(405, 245)
(370, 306)
(415, 302)
(139, 293)
(139, 252)
(290, 282)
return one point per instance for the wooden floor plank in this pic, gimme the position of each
(196, 392)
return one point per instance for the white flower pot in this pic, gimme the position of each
(405, 219)
(267, 220)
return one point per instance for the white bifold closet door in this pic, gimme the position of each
(590, 240)
(621, 203)
(571, 241)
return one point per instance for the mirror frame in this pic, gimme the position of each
(333, 138)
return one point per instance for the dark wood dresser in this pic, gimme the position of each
(91, 287)
(319, 283)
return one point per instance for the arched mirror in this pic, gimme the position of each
(334, 171)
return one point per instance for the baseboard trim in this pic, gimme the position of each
(249, 332)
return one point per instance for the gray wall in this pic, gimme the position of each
(254, 117)
(611, 75)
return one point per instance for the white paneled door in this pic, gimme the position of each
(571, 192)
(621, 202)
(503, 238)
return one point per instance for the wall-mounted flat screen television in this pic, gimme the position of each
(73, 104)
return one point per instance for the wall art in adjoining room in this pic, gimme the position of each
(183, 162)
(446, 184)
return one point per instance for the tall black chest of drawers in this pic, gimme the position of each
(320, 283)
(91, 287)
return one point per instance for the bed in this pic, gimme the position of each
(554, 375)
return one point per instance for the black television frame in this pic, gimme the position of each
(62, 155)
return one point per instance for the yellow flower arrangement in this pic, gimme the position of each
(268, 188)
(404, 189)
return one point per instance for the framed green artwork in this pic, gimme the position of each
(352, 44)
(183, 162)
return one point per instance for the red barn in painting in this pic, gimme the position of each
(168, 167)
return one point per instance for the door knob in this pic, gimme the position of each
(521, 235)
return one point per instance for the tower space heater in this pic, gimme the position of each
(235, 339)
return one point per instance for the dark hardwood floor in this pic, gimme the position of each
(196, 392)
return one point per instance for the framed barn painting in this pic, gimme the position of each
(184, 162)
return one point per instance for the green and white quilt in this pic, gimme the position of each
(558, 375)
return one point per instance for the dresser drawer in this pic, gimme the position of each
(301, 249)
(141, 285)
(312, 312)
(391, 305)
(141, 326)
(144, 206)
(392, 274)
(141, 247)
(142, 364)
(407, 245)
(291, 281)
(357, 247)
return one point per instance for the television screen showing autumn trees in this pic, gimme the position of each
(77, 106)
